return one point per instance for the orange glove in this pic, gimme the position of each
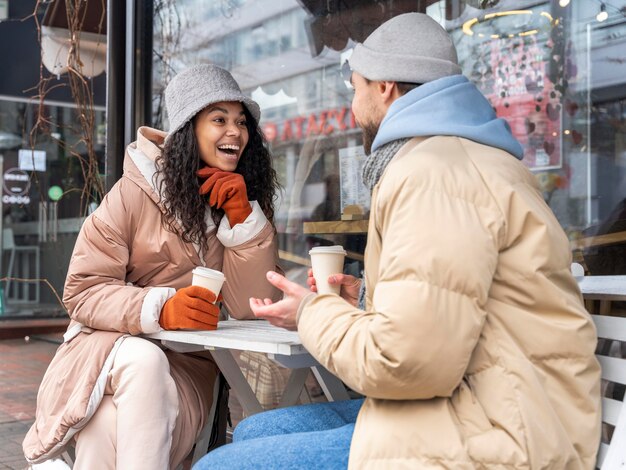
(228, 192)
(191, 307)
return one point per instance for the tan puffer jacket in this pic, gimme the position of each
(475, 350)
(124, 267)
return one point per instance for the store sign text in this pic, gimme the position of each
(321, 123)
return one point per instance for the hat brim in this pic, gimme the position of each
(251, 105)
(379, 66)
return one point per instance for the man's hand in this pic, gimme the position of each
(282, 313)
(350, 286)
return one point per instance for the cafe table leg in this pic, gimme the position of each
(333, 387)
(238, 383)
(294, 387)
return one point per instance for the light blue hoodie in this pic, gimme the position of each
(447, 106)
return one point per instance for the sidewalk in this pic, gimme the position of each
(22, 365)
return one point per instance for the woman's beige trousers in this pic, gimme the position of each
(153, 409)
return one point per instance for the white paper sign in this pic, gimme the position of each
(32, 160)
(4, 9)
(353, 191)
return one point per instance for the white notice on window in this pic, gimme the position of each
(4, 9)
(353, 191)
(32, 160)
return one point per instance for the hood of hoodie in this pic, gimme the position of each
(447, 106)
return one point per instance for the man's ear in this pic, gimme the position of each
(388, 92)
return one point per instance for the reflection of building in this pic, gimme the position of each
(527, 57)
(531, 59)
(555, 72)
(304, 99)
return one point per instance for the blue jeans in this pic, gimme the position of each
(300, 437)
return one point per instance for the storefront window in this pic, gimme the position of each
(52, 147)
(553, 69)
(43, 202)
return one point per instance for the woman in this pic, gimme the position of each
(200, 195)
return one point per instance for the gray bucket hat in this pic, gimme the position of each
(195, 88)
(411, 47)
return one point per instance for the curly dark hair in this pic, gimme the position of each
(178, 184)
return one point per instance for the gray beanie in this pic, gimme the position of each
(410, 48)
(195, 88)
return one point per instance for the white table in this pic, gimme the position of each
(603, 287)
(279, 344)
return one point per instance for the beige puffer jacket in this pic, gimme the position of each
(475, 350)
(124, 267)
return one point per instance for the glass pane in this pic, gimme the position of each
(51, 153)
(43, 203)
(555, 71)
(277, 54)
(552, 69)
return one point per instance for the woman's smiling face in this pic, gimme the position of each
(222, 134)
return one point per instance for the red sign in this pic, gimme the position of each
(323, 122)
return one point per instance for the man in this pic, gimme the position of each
(473, 349)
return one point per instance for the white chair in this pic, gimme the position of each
(612, 452)
(23, 269)
(578, 271)
(610, 354)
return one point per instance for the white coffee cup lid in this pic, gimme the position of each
(328, 250)
(208, 272)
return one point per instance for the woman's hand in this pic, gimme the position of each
(227, 191)
(191, 307)
(350, 286)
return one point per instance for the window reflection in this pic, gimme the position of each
(551, 69)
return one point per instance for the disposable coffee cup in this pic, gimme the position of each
(326, 261)
(208, 278)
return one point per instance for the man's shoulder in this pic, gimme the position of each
(426, 160)
(482, 175)
(452, 159)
